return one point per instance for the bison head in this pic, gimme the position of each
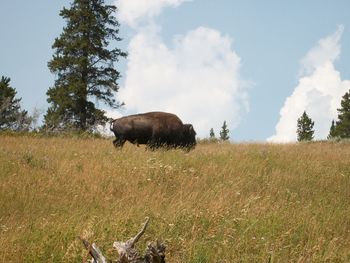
(188, 136)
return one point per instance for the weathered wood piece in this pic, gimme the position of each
(94, 252)
(155, 252)
(126, 250)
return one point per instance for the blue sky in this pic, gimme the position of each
(255, 64)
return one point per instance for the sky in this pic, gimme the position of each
(255, 64)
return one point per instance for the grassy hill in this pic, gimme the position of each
(218, 203)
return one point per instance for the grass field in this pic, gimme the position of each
(218, 203)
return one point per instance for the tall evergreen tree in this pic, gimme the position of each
(11, 115)
(211, 133)
(84, 66)
(305, 127)
(332, 131)
(342, 128)
(224, 132)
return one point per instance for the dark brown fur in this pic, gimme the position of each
(154, 129)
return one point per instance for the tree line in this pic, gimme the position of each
(223, 134)
(339, 129)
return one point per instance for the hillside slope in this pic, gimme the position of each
(218, 203)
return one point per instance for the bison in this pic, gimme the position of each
(155, 129)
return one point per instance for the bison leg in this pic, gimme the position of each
(152, 145)
(119, 142)
(187, 148)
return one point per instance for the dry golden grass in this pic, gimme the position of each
(218, 203)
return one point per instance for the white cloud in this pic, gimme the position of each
(198, 78)
(327, 50)
(132, 12)
(319, 91)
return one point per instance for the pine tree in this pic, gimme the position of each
(224, 132)
(342, 128)
(211, 134)
(84, 66)
(332, 132)
(305, 127)
(11, 115)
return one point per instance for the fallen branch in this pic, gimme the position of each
(94, 251)
(155, 252)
